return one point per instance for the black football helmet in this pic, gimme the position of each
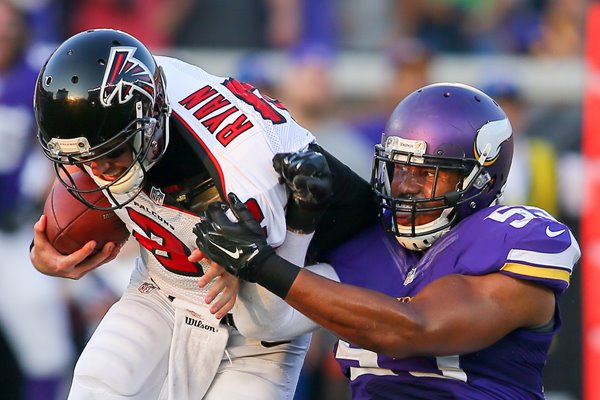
(100, 90)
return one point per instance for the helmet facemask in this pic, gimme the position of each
(398, 154)
(141, 137)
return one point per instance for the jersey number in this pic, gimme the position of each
(368, 364)
(262, 104)
(522, 215)
(170, 252)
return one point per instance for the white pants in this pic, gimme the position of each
(127, 357)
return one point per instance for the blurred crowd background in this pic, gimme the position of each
(340, 66)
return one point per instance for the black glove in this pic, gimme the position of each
(307, 175)
(239, 247)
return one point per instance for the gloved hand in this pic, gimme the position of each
(239, 247)
(309, 179)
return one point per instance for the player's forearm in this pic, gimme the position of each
(367, 318)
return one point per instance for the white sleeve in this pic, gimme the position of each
(260, 314)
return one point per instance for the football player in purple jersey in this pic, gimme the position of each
(453, 295)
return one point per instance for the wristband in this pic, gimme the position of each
(277, 275)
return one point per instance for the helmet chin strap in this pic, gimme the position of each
(424, 241)
(129, 182)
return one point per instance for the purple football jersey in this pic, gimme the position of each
(17, 131)
(523, 242)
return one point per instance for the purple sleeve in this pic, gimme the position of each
(525, 242)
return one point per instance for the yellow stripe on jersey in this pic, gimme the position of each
(537, 272)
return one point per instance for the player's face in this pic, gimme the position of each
(413, 182)
(114, 164)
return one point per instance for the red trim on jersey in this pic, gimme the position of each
(254, 208)
(208, 152)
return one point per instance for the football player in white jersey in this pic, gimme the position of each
(163, 139)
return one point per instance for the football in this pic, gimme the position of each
(71, 224)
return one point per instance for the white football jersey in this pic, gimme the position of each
(241, 131)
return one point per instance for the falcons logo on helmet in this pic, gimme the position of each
(124, 76)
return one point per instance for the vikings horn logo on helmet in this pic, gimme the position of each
(125, 75)
(494, 133)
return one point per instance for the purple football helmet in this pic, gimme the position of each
(442, 127)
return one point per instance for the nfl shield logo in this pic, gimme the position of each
(146, 287)
(157, 196)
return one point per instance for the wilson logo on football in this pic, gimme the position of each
(124, 76)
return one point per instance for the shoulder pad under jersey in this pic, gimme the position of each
(522, 241)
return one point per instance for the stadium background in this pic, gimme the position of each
(338, 65)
